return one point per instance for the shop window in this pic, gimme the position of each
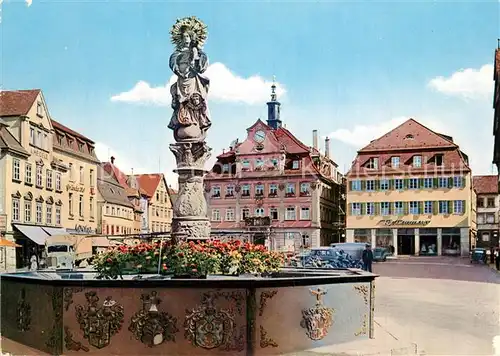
(383, 238)
(428, 242)
(362, 235)
(485, 237)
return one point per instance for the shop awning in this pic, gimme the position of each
(100, 241)
(34, 233)
(55, 231)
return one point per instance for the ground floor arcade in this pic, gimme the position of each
(416, 241)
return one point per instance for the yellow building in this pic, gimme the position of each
(411, 191)
(114, 209)
(37, 193)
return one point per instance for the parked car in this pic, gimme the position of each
(380, 254)
(353, 249)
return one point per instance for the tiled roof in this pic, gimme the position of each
(409, 135)
(17, 102)
(8, 141)
(149, 182)
(485, 184)
(58, 126)
(453, 161)
(116, 173)
(111, 191)
(497, 64)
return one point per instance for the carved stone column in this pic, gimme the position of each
(190, 219)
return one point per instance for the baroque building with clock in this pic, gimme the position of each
(273, 189)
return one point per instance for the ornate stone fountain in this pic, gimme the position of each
(190, 122)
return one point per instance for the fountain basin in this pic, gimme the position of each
(294, 310)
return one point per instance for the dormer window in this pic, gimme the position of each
(395, 162)
(225, 168)
(80, 146)
(417, 161)
(295, 164)
(439, 159)
(39, 109)
(372, 163)
(59, 140)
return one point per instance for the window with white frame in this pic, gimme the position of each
(215, 215)
(71, 173)
(32, 136)
(16, 169)
(27, 211)
(229, 190)
(39, 176)
(428, 207)
(216, 192)
(295, 164)
(458, 207)
(428, 183)
(385, 208)
(305, 188)
(259, 211)
(413, 183)
(290, 188)
(245, 164)
(58, 182)
(443, 182)
(229, 215)
(48, 214)
(259, 190)
(305, 213)
(28, 174)
(398, 184)
(70, 204)
(16, 216)
(91, 207)
(259, 163)
(417, 161)
(356, 209)
(273, 213)
(225, 168)
(273, 190)
(91, 177)
(398, 208)
(290, 213)
(394, 162)
(82, 175)
(356, 185)
(58, 215)
(48, 178)
(39, 110)
(245, 213)
(245, 190)
(80, 206)
(413, 207)
(490, 218)
(370, 208)
(458, 182)
(38, 212)
(384, 184)
(444, 207)
(370, 185)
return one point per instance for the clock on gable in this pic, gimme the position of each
(259, 136)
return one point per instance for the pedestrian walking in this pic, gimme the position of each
(497, 259)
(367, 258)
(492, 255)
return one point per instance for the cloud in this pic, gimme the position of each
(361, 135)
(224, 86)
(467, 83)
(28, 2)
(126, 165)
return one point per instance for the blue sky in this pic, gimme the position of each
(352, 70)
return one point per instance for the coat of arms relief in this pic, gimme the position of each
(318, 319)
(151, 326)
(99, 322)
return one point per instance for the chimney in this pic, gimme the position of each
(315, 139)
(327, 147)
(112, 160)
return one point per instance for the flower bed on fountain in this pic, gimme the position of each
(188, 259)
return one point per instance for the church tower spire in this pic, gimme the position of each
(273, 108)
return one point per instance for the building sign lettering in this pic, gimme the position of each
(75, 188)
(41, 154)
(389, 222)
(82, 229)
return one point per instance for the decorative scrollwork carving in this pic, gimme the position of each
(266, 341)
(72, 344)
(363, 291)
(23, 312)
(364, 326)
(264, 296)
(68, 296)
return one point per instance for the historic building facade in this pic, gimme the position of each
(488, 207)
(275, 188)
(496, 107)
(115, 211)
(36, 188)
(411, 190)
(150, 196)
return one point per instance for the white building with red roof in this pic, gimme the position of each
(411, 191)
(280, 191)
(488, 209)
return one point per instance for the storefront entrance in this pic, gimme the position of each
(451, 242)
(406, 241)
(428, 242)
